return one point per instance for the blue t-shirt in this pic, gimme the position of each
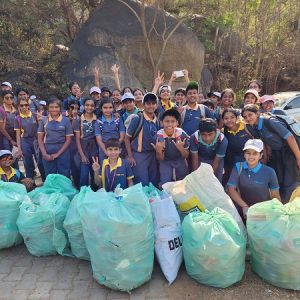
(27, 125)
(209, 151)
(254, 184)
(85, 127)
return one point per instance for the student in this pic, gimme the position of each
(255, 181)
(172, 148)
(130, 108)
(105, 92)
(210, 105)
(284, 151)
(208, 145)
(237, 134)
(23, 94)
(267, 103)
(165, 102)
(138, 98)
(180, 97)
(116, 96)
(42, 109)
(108, 127)
(193, 112)
(251, 97)
(256, 85)
(84, 129)
(139, 142)
(227, 100)
(7, 120)
(9, 174)
(76, 96)
(95, 94)
(115, 170)
(5, 86)
(54, 138)
(25, 125)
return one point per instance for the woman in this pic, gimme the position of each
(25, 126)
(86, 142)
(284, 153)
(54, 138)
(237, 134)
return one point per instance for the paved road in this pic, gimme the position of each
(23, 276)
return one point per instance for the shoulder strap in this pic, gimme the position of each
(139, 125)
(248, 132)
(202, 110)
(239, 174)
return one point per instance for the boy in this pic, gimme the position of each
(9, 174)
(141, 133)
(130, 108)
(193, 112)
(172, 148)
(179, 97)
(208, 145)
(115, 170)
(255, 181)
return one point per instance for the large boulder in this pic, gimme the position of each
(113, 34)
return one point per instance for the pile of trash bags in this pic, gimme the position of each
(11, 197)
(274, 238)
(214, 248)
(118, 231)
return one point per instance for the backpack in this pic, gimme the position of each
(200, 107)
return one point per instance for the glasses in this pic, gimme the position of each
(9, 157)
(23, 105)
(9, 97)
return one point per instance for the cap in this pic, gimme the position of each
(149, 96)
(252, 91)
(42, 102)
(5, 152)
(95, 89)
(32, 97)
(266, 98)
(7, 84)
(254, 144)
(217, 94)
(164, 86)
(127, 96)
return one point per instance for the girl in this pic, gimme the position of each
(227, 100)
(237, 134)
(255, 85)
(267, 103)
(108, 127)
(86, 141)
(251, 97)
(116, 96)
(127, 89)
(284, 153)
(138, 97)
(76, 96)
(255, 181)
(25, 126)
(54, 138)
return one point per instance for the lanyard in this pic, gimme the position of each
(107, 177)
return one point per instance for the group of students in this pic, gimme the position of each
(113, 138)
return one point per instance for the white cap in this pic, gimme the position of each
(32, 97)
(7, 84)
(127, 96)
(217, 94)
(252, 91)
(42, 102)
(149, 96)
(254, 144)
(164, 86)
(5, 152)
(95, 89)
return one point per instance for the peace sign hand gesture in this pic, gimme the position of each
(95, 164)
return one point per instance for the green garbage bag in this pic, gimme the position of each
(214, 248)
(118, 231)
(274, 239)
(72, 225)
(55, 183)
(11, 197)
(41, 224)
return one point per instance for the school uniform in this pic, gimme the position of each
(119, 174)
(274, 111)
(254, 184)
(173, 163)
(56, 132)
(14, 176)
(191, 117)
(146, 170)
(163, 106)
(125, 114)
(274, 134)
(89, 147)
(208, 152)
(108, 130)
(71, 100)
(27, 125)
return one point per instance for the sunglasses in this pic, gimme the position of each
(6, 157)
(23, 105)
(9, 97)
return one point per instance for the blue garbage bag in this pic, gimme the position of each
(72, 225)
(274, 239)
(41, 224)
(214, 248)
(11, 197)
(55, 183)
(118, 231)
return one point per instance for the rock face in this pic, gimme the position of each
(113, 34)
